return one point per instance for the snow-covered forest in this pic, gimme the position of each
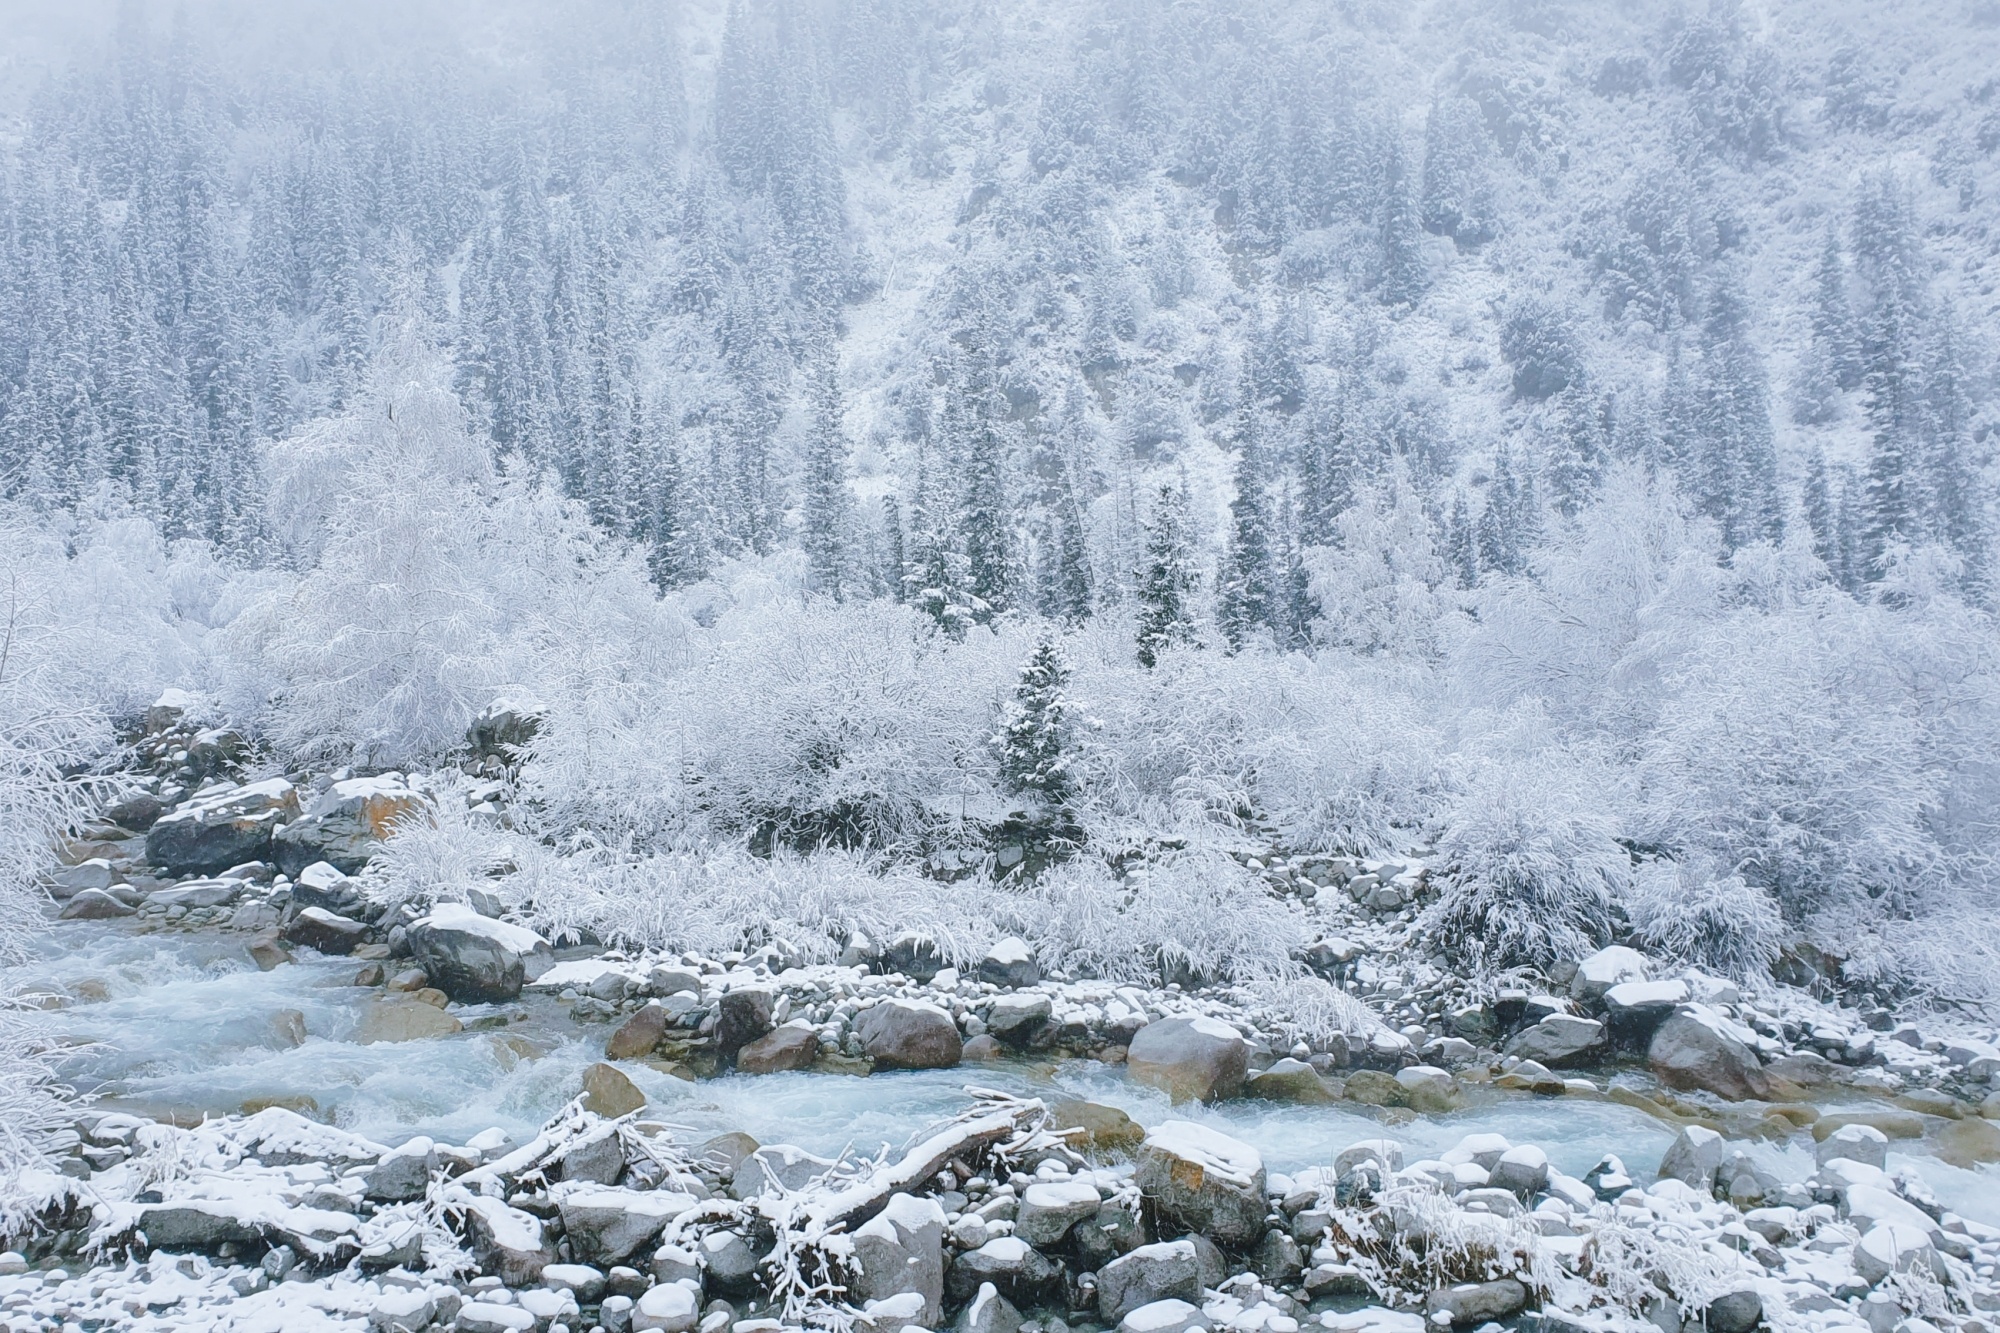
(1097, 475)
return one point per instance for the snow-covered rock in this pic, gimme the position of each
(475, 959)
(345, 824)
(1210, 1182)
(908, 1034)
(210, 834)
(1190, 1059)
(1698, 1048)
(1160, 1271)
(899, 1252)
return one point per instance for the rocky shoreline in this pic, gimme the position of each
(1021, 1214)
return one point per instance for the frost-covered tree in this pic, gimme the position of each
(1245, 592)
(1168, 583)
(826, 503)
(1034, 744)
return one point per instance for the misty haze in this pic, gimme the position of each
(889, 666)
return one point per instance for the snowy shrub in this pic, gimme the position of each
(1530, 865)
(1312, 1009)
(1186, 915)
(1686, 912)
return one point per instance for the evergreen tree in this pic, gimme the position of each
(1893, 501)
(986, 523)
(1577, 453)
(1404, 276)
(1034, 738)
(826, 503)
(894, 555)
(1833, 317)
(1068, 597)
(1462, 543)
(934, 579)
(1823, 517)
(1167, 586)
(1246, 595)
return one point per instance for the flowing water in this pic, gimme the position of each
(185, 1025)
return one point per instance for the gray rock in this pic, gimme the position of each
(595, 1158)
(1050, 1208)
(664, 981)
(96, 873)
(198, 893)
(344, 825)
(94, 905)
(207, 836)
(913, 954)
(904, 1034)
(317, 928)
(1278, 1259)
(510, 1243)
(1693, 1158)
(901, 1250)
(506, 724)
(474, 959)
(1168, 1316)
(402, 1174)
(731, 1260)
(673, 1263)
(775, 1169)
(1289, 1080)
(1191, 1059)
(1557, 1039)
(1855, 1143)
(1021, 1273)
(1736, 1312)
(741, 1016)
(1017, 1018)
(791, 1047)
(1697, 1049)
(988, 1312)
(195, 1224)
(1523, 1170)
(1010, 964)
(1211, 1183)
(607, 1225)
(1604, 969)
(1472, 1303)
(667, 1308)
(138, 812)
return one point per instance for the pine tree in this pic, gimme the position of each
(1577, 453)
(1403, 271)
(1462, 543)
(1167, 586)
(1893, 502)
(1246, 600)
(934, 577)
(1069, 585)
(1034, 740)
(1823, 517)
(986, 522)
(1955, 489)
(1501, 531)
(894, 555)
(826, 503)
(1833, 317)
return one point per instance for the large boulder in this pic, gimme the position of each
(1212, 1184)
(776, 1169)
(506, 724)
(1018, 1271)
(1557, 1040)
(1017, 1018)
(790, 1047)
(1693, 1157)
(1165, 1271)
(317, 928)
(1191, 1059)
(741, 1016)
(667, 1308)
(1699, 1049)
(345, 824)
(1010, 964)
(906, 1034)
(607, 1225)
(212, 833)
(1471, 1303)
(901, 1249)
(475, 959)
(94, 905)
(1604, 969)
(508, 1242)
(1049, 1208)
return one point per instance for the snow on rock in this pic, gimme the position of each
(345, 824)
(608, 1225)
(1191, 1059)
(1213, 1183)
(212, 833)
(475, 959)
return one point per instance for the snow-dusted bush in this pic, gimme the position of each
(1192, 914)
(1690, 913)
(1529, 862)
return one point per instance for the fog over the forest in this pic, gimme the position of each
(999, 468)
